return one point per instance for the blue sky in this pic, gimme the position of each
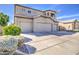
(65, 11)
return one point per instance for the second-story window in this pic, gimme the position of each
(52, 15)
(29, 11)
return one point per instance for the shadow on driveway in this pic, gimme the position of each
(27, 49)
(27, 39)
(59, 33)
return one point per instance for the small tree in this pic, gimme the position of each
(4, 19)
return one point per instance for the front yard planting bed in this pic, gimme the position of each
(9, 44)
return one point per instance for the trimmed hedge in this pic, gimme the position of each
(11, 30)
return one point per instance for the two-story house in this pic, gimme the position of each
(33, 20)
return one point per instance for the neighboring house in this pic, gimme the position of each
(33, 20)
(76, 25)
(69, 25)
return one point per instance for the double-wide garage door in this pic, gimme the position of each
(42, 27)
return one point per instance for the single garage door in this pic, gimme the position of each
(26, 27)
(42, 27)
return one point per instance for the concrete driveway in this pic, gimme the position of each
(58, 43)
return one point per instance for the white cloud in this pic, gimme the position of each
(68, 16)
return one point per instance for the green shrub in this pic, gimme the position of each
(75, 30)
(11, 30)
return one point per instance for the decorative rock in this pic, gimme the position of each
(9, 44)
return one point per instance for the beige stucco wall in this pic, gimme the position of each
(66, 26)
(25, 13)
(43, 20)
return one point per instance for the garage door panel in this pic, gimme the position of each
(26, 27)
(43, 27)
(54, 28)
